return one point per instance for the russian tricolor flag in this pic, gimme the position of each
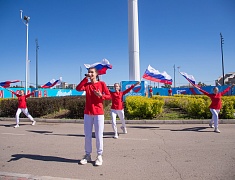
(7, 84)
(154, 75)
(100, 66)
(52, 83)
(190, 78)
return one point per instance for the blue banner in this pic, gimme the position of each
(42, 92)
(138, 90)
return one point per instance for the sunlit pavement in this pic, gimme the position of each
(147, 151)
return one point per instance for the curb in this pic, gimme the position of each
(80, 121)
(7, 176)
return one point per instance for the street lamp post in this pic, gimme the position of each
(179, 71)
(26, 22)
(174, 75)
(222, 42)
(37, 48)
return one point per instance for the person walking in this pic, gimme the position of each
(117, 107)
(22, 107)
(216, 105)
(96, 92)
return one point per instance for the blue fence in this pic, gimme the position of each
(141, 90)
(191, 91)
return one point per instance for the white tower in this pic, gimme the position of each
(133, 40)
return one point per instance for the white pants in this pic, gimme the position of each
(120, 114)
(215, 117)
(25, 111)
(98, 121)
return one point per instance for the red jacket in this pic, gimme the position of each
(94, 104)
(117, 97)
(216, 102)
(22, 99)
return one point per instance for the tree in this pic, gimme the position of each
(201, 84)
(166, 86)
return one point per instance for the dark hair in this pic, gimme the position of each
(97, 77)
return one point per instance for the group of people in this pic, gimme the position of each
(96, 93)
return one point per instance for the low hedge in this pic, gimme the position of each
(136, 107)
(142, 107)
(197, 106)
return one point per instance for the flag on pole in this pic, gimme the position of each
(100, 66)
(52, 83)
(155, 76)
(190, 78)
(7, 84)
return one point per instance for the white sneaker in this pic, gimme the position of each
(115, 136)
(99, 160)
(124, 130)
(217, 130)
(86, 158)
(16, 126)
(33, 123)
(211, 125)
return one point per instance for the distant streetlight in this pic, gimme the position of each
(179, 71)
(174, 75)
(26, 22)
(221, 43)
(37, 48)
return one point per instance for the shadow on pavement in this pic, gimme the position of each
(16, 157)
(105, 134)
(144, 127)
(41, 132)
(12, 125)
(195, 129)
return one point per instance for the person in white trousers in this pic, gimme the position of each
(117, 107)
(96, 92)
(22, 107)
(216, 105)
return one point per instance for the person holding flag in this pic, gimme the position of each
(216, 100)
(117, 107)
(216, 105)
(96, 93)
(22, 106)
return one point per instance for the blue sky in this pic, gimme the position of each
(74, 32)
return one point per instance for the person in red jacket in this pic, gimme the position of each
(150, 91)
(22, 107)
(216, 105)
(117, 107)
(170, 92)
(96, 93)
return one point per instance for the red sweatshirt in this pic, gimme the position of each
(94, 104)
(216, 102)
(22, 99)
(117, 97)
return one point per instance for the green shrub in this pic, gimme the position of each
(227, 111)
(142, 107)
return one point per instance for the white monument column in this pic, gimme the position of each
(133, 40)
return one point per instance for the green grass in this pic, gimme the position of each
(172, 114)
(167, 114)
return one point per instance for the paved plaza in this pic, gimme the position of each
(147, 151)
